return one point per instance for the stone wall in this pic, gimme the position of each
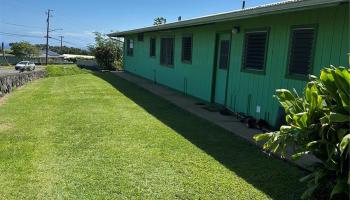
(10, 81)
(88, 64)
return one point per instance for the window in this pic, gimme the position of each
(255, 49)
(140, 37)
(129, 47)
(301, 50)
(224, 54)
(167, 51)
(187, 49)
(152, 47)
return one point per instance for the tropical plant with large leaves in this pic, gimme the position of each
(318, 123)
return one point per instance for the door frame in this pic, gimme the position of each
(215, 66)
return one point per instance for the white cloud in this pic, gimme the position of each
(85, 34)
(36, 33)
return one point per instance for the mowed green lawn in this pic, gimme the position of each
(95, 136)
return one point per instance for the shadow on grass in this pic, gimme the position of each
(274, 177)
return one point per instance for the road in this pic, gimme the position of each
(11, 70)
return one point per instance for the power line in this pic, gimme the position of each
(20, 25)
(78, 40)
(63, 41)
(19, 35)
(34, 36)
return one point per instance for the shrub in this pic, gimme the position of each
(107, 52)
(73, 60)
(318, 124)
(105, 57)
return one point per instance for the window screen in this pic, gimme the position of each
(167, 51)
(187, 49)
(152, 47)
(140, 37)
(129, 47)
(255, 50)
(224, 54)
(301, 50)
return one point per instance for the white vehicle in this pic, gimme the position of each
(25, 65)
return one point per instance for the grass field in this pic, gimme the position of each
(6, 67)
(95, 136)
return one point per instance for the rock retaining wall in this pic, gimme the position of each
(10, 81)
(88, 64)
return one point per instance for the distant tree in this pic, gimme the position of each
(107, 52)
(65, 50)
(24, 49)
(159, 21)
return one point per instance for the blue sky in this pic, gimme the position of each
(79, 18)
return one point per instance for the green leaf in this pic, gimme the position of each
(285, 129)
(285, 94)
(325, 120)
(344, 143)
(340, 79)
(328, 81)
(299, 155)
(337, 117)
(309, 192)
(341, 133)
(313, 145)
(312, 77)
(301, 119)
(345, 100)
(341, 187)
(263, 136)
(307, 177)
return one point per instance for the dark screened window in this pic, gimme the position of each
(187, 49)
(167, 51)
(129, 47)
(224, 54)
(152, 47)
(140, 37)
(301, 50)
(255, 50)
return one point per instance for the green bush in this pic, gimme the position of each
(105, 57)
(318, 124)
(107, 51)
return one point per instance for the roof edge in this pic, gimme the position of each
(284, 6)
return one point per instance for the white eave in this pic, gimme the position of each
(280, 7)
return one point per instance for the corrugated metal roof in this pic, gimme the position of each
(284, 6)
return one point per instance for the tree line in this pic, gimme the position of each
(65, 49)
(26, 49)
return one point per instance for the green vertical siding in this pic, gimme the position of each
(331, 48)
(194, 78)
(245, 90)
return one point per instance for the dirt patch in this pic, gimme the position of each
(2, 100)
(5, 126)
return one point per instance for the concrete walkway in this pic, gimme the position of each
(190, 104)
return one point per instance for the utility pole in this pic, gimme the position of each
(61, 42)
(47, 34)
(3, 49)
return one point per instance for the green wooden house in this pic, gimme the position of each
(238, 59)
